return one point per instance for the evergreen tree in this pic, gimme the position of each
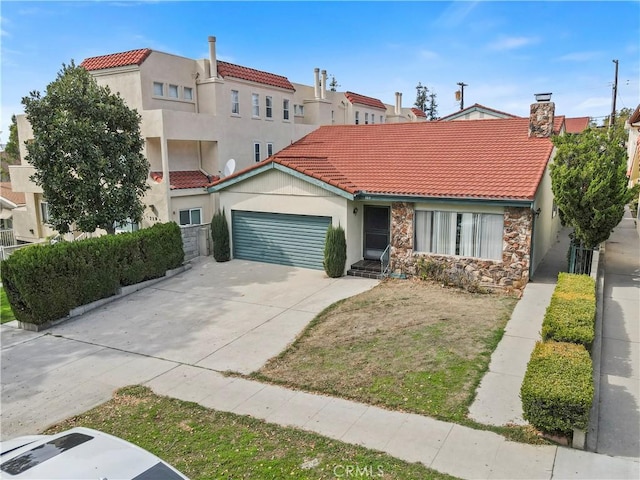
(87, 153)
(335, 251)
(220, 237)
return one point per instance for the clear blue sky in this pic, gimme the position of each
(504, 51)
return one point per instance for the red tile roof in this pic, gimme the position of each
(226, 69)
(6, 192)
(488, 159)
(635, 116)
(183, 179)
(132, 57)
(477, 106)
(418, 113)
(576, 125)
(363, 100)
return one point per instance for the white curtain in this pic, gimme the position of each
(423, 231)
(468, 230)
(491, 237)
(444, 237)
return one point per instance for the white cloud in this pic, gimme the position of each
(512, 43)
(579, 56)
(455, 13)
(428, 54)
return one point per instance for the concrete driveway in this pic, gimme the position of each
(219, 316)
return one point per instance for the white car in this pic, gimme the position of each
(81, 453)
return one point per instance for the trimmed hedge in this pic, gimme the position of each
(571, 314)
(44, 282)
(557, 391)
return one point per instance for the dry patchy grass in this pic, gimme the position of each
(408, 345)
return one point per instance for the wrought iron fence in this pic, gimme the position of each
(580, 258)
(384, 261)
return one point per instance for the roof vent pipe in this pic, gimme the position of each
(398, 103)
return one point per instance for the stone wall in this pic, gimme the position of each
(195, 241)
(512, 271)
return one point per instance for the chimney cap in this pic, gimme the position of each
(543, 97)
(212, 38)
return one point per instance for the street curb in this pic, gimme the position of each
(596, 350)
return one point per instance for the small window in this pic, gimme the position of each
(357, 118)
(373, 118)
(298, 110)
(192, 216)
(256, 151)
(366, 118)
(235, 104)
(269, 149)
(333, 116)
(255, 102)
(285, 109)
(381, 119)
(269, 107)
(173, 91)
(158, 89)
(44, 212)
(187, 93)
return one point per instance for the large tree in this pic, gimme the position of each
(589, 182)
(87, 152)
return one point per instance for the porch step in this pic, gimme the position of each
(366, 269)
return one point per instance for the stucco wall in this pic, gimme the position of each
(547, 225)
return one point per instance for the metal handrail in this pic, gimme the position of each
(384, 261)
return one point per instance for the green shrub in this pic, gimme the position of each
(220, 237)
(557, 390)
(570, 316)
(335, 251)
(44, 282)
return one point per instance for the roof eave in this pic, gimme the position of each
(505, 202)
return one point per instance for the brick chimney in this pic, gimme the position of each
(541, 116)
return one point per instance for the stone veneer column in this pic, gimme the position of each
(516, 254)
(402, 237)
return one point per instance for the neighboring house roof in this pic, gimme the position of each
(418, 113)
(7, 193)
(635, 116)
(123, 59)
(364, 100)
(183, 179)
(475, 159)
(476, 107)
(226, 69)
(576, 124)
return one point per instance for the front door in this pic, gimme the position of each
(376, 231)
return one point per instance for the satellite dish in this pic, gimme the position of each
(229, 167)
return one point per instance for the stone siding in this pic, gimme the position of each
(512, 271)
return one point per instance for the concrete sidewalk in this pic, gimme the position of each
(445, 447)
(497, 399)
(618, 431)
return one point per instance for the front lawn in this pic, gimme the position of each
(204, 443)
(406, 344)
(6, 314)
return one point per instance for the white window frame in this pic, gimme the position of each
(190, 212)
(255, 105)
(268, 107)
(184, 93)
(285, 109)
(366, 118)
(298, 110)
(381, 118)
(173, 91)
(460, 234)
(256, 151)
(269, 149)
(357, 119)
(44, 212)
(155, 86)
(235, 102)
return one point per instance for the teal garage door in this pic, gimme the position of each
(295, 240)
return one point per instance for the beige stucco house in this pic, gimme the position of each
(197, 116)
(475, 195)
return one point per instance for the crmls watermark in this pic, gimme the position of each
(358, 471)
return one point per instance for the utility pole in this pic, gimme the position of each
(612, 117)
(462, 85)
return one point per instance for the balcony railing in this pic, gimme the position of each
(7, 239)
